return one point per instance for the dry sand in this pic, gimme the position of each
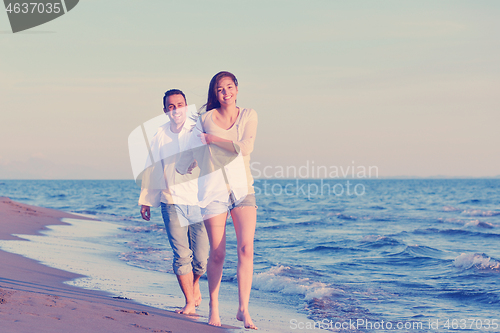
(33, 297)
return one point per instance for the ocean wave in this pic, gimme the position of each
(278, 279)
(86, 211)
(111, 217)
(333, 211)
(455, 232)
(481, 224)
(308, 223)
(411, 256)
(21, 199)
(58, 196)
(292, 224)
(472, 201)
(377, 241)
(322, 248)
(381, 219)
(476, 260)
(276, 226)
(275, 206)
(450, 209)
(473, 296)
(479, 212)
(468, 223)
(418, 251)
(150, 259)
(451, 220)
(347, 217)
(341, 309)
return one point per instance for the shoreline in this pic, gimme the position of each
(33, 296)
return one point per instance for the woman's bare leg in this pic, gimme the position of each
(216, 230)
(244, 220)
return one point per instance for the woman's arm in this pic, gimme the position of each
(245, 145)
(223, 143)
(249, 128)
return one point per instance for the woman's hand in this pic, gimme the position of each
(207, 138)
(223, 143)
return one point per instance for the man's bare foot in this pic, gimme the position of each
(188, 309)
(244, 316)
(213, 317)
(197, 295)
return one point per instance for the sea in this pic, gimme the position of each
(339, 255)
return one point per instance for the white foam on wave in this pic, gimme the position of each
(477, 223)
(469, 223)
(479, 212)
(151, 259)
(450, 209)
(451, 220)
(372, 238)
(477, 260)
(275, 280)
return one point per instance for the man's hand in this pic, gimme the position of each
(146, 212)
(192, 166)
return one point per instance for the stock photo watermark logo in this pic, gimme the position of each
(27, 14)
(312, 181)
(172, 160)
(145, 155)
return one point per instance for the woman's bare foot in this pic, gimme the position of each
(244, 316)
(188, 309)
(197, 295)
(213, 317)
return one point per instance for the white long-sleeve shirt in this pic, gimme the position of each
(160, 181)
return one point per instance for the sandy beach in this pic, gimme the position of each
(33, 297)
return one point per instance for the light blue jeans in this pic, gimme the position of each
(187, 237)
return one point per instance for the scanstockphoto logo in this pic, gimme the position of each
(26, 14)
(183, 166)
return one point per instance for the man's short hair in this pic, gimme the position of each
(170, 93)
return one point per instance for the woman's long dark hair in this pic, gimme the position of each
(212, 101)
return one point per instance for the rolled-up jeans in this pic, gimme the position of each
(187, 237)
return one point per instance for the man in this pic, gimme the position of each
(178, 198)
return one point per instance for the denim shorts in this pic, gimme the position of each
(219, 207)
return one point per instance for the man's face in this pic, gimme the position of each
(176, 109)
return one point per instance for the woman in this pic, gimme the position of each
(230, 132)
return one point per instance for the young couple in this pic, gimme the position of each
(202, 174)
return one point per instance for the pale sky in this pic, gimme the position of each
(408, 86)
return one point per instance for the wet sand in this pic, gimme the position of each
(33, 297)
